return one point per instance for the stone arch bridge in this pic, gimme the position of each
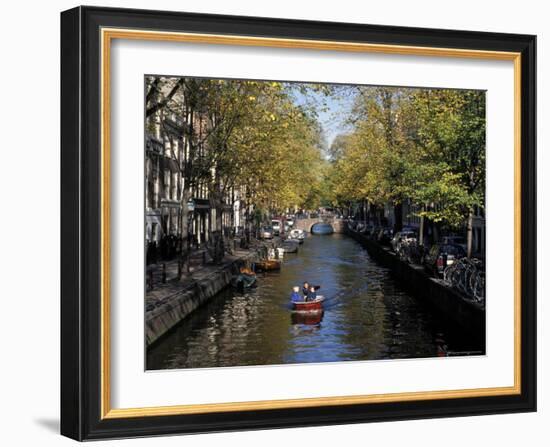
(305, 224)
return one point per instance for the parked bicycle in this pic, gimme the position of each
(468, 276)
(409, 250)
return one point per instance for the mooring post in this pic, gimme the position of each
(163, 272)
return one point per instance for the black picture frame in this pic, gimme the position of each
(81, 210)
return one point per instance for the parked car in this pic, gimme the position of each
(266, 233)
(440, 256)
(384, 236)
(375, 232)
(364, 228)
(454, 240)
(276, 226)
(400, 236)
(368, 229)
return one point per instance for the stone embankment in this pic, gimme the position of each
(467, 314)
(170, 303)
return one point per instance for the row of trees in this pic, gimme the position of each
(248, 136)
(423, 145)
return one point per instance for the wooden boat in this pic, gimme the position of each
(268, 265)
(307, 318)
(309, 306)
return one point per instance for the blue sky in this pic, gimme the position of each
(332, 111)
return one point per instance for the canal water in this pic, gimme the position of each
(367, 316)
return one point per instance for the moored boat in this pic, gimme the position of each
(290, 246)
(297, 235)
(309, 306)
(276, 253)
(243, 281)
(268, 265)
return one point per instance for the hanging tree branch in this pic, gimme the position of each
(161, 104)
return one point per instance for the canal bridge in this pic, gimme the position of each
(338, 225)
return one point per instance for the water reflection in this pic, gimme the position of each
(367, 316)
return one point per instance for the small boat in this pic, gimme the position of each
(268, 265)
(275, 253)
(307, 318)
(309, 306)
(290, 246)
(243, 281)
(297, 235)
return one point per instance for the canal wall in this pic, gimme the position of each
(177, 302)
(466, 314)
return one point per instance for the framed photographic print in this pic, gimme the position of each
(277, 223)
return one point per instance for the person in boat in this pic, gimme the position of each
(312, 294)
(305, 289)
(307, 286)
(295, 296)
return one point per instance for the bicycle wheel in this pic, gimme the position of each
(448, 273)
(479, 287)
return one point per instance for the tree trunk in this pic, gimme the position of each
(436, 232)
(422, 226)
(185, 229)
(216, 203)
(248, 224)
(470, 232)
(398, 215)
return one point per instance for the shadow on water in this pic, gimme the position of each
(366, 316)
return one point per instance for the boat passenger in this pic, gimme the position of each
(312, 294)
(295, 296)
(305, 289)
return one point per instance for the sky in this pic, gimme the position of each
(332, 111)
